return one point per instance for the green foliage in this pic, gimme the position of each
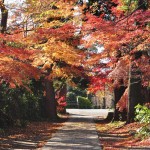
(144, 132)
(19, 105)
(71, 100)
(71, 96)
(16, 45)
(84, 103)
(129, 5)
(73, 93)
(143, 116)
(78, 91)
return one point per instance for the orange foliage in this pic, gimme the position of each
(53, 40)
(15, 67)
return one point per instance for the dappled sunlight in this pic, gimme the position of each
(78, 132)
(118, 135)
(35, 134)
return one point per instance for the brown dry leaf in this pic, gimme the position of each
(36, 132)
(115, 136)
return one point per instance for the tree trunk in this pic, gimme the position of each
(118, 92)
(145, 95)
(4, 17)
(50, 104)
(134, 96)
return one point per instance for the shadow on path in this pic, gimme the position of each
(78, 132)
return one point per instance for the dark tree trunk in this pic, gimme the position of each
(50, 104)
(4, 17)
(134, 91)
(145, 95)
(118, 92)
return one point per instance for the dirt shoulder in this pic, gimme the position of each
(118, 136)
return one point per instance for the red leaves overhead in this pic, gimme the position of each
(96, 84)
(64, 32)
(98, 79)
(16, 53)
(15, 67)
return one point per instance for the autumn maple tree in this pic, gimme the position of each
(45, 51)
(15, 61)
(125, 41)
(53, 38)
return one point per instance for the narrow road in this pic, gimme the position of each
(78, 133)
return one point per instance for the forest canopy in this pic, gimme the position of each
(76, 43)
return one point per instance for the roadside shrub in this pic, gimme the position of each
(143, 116)
(142, 113)
(19, 105)
(71, 96)
(84, 103)
(71, 100)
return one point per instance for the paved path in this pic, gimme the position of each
(78, 133)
